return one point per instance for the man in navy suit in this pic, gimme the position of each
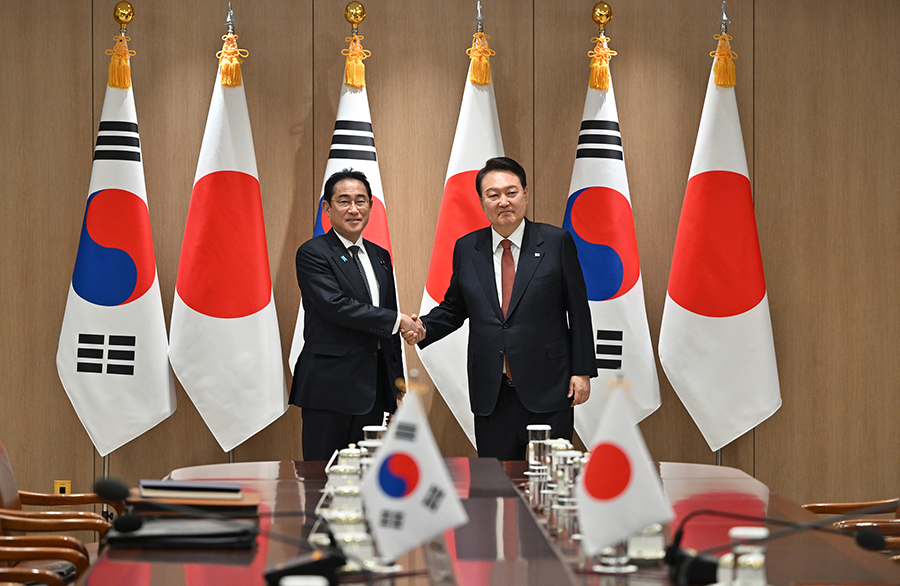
(530, 353)
(345, 376)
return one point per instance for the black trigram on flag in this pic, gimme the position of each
(352, 140)
(433, 497)
(406, 431)
(599, 139)
(391, 519)
(119, 354)
(118, 141)
(609, 349)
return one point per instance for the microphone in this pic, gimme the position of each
(111, 489)
(702, 568)
(322, 561)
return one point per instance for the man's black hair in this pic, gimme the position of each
(500, 164)
(348, 173)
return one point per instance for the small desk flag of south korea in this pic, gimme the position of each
(619, 491)
(407, 492)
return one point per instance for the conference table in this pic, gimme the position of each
(504, 543)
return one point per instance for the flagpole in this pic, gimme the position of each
(105, 510)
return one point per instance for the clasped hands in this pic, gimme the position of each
(411, 328)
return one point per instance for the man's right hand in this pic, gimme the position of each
(411, 328)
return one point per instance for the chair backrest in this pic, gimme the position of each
(9, 492)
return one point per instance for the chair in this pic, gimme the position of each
(12, 499)
(890, 528)
(15, 576)
(24, 552)
(48, 559)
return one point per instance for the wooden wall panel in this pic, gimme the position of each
(827, 200)
(46, 151)
(814, 90)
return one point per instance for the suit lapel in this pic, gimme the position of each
(345, 263)
(484, 268)
(529, 258)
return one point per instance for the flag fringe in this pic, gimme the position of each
(230, 59)
(600, 57)
(119, 66)
(354, 69)
(480, 53)
(723, 68)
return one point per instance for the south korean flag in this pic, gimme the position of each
(407, 492)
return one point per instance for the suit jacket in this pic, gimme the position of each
(547, 333)
(337, 368)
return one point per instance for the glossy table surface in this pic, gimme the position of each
(504, 542)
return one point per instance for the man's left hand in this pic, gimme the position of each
(579, 389)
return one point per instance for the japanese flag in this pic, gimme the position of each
(619, 492)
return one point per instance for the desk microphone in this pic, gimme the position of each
(702, 567)
(322, 561)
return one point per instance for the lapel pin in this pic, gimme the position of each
(537, 254)
(343, 258)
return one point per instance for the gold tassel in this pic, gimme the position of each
(230, 59)
(600, 57)
(723, 69)
(354, 69)
(481, 54)
(119, 66)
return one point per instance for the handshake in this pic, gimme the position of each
(411, 328)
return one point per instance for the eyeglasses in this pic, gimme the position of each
(343, 204)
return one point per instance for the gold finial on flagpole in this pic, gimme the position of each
(355, 13)
(600, 56)
(602, 14)
(119, 74)
(354, 69)
(123, 13)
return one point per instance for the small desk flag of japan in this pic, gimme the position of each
(619, 491)
(407, 491)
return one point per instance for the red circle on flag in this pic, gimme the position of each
(717, 267)
(119, 220)
(224, 266)
(601, 215)
(608, 472)
(460, 214)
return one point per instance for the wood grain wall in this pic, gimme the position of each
(816, 91)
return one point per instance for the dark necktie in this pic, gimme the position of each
(507, 278)
(354, 252)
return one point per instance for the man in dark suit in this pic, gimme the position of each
(345, 376)
(530, 354)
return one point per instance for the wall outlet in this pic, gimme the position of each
(62, 487)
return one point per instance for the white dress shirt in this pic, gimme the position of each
(374, 289)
